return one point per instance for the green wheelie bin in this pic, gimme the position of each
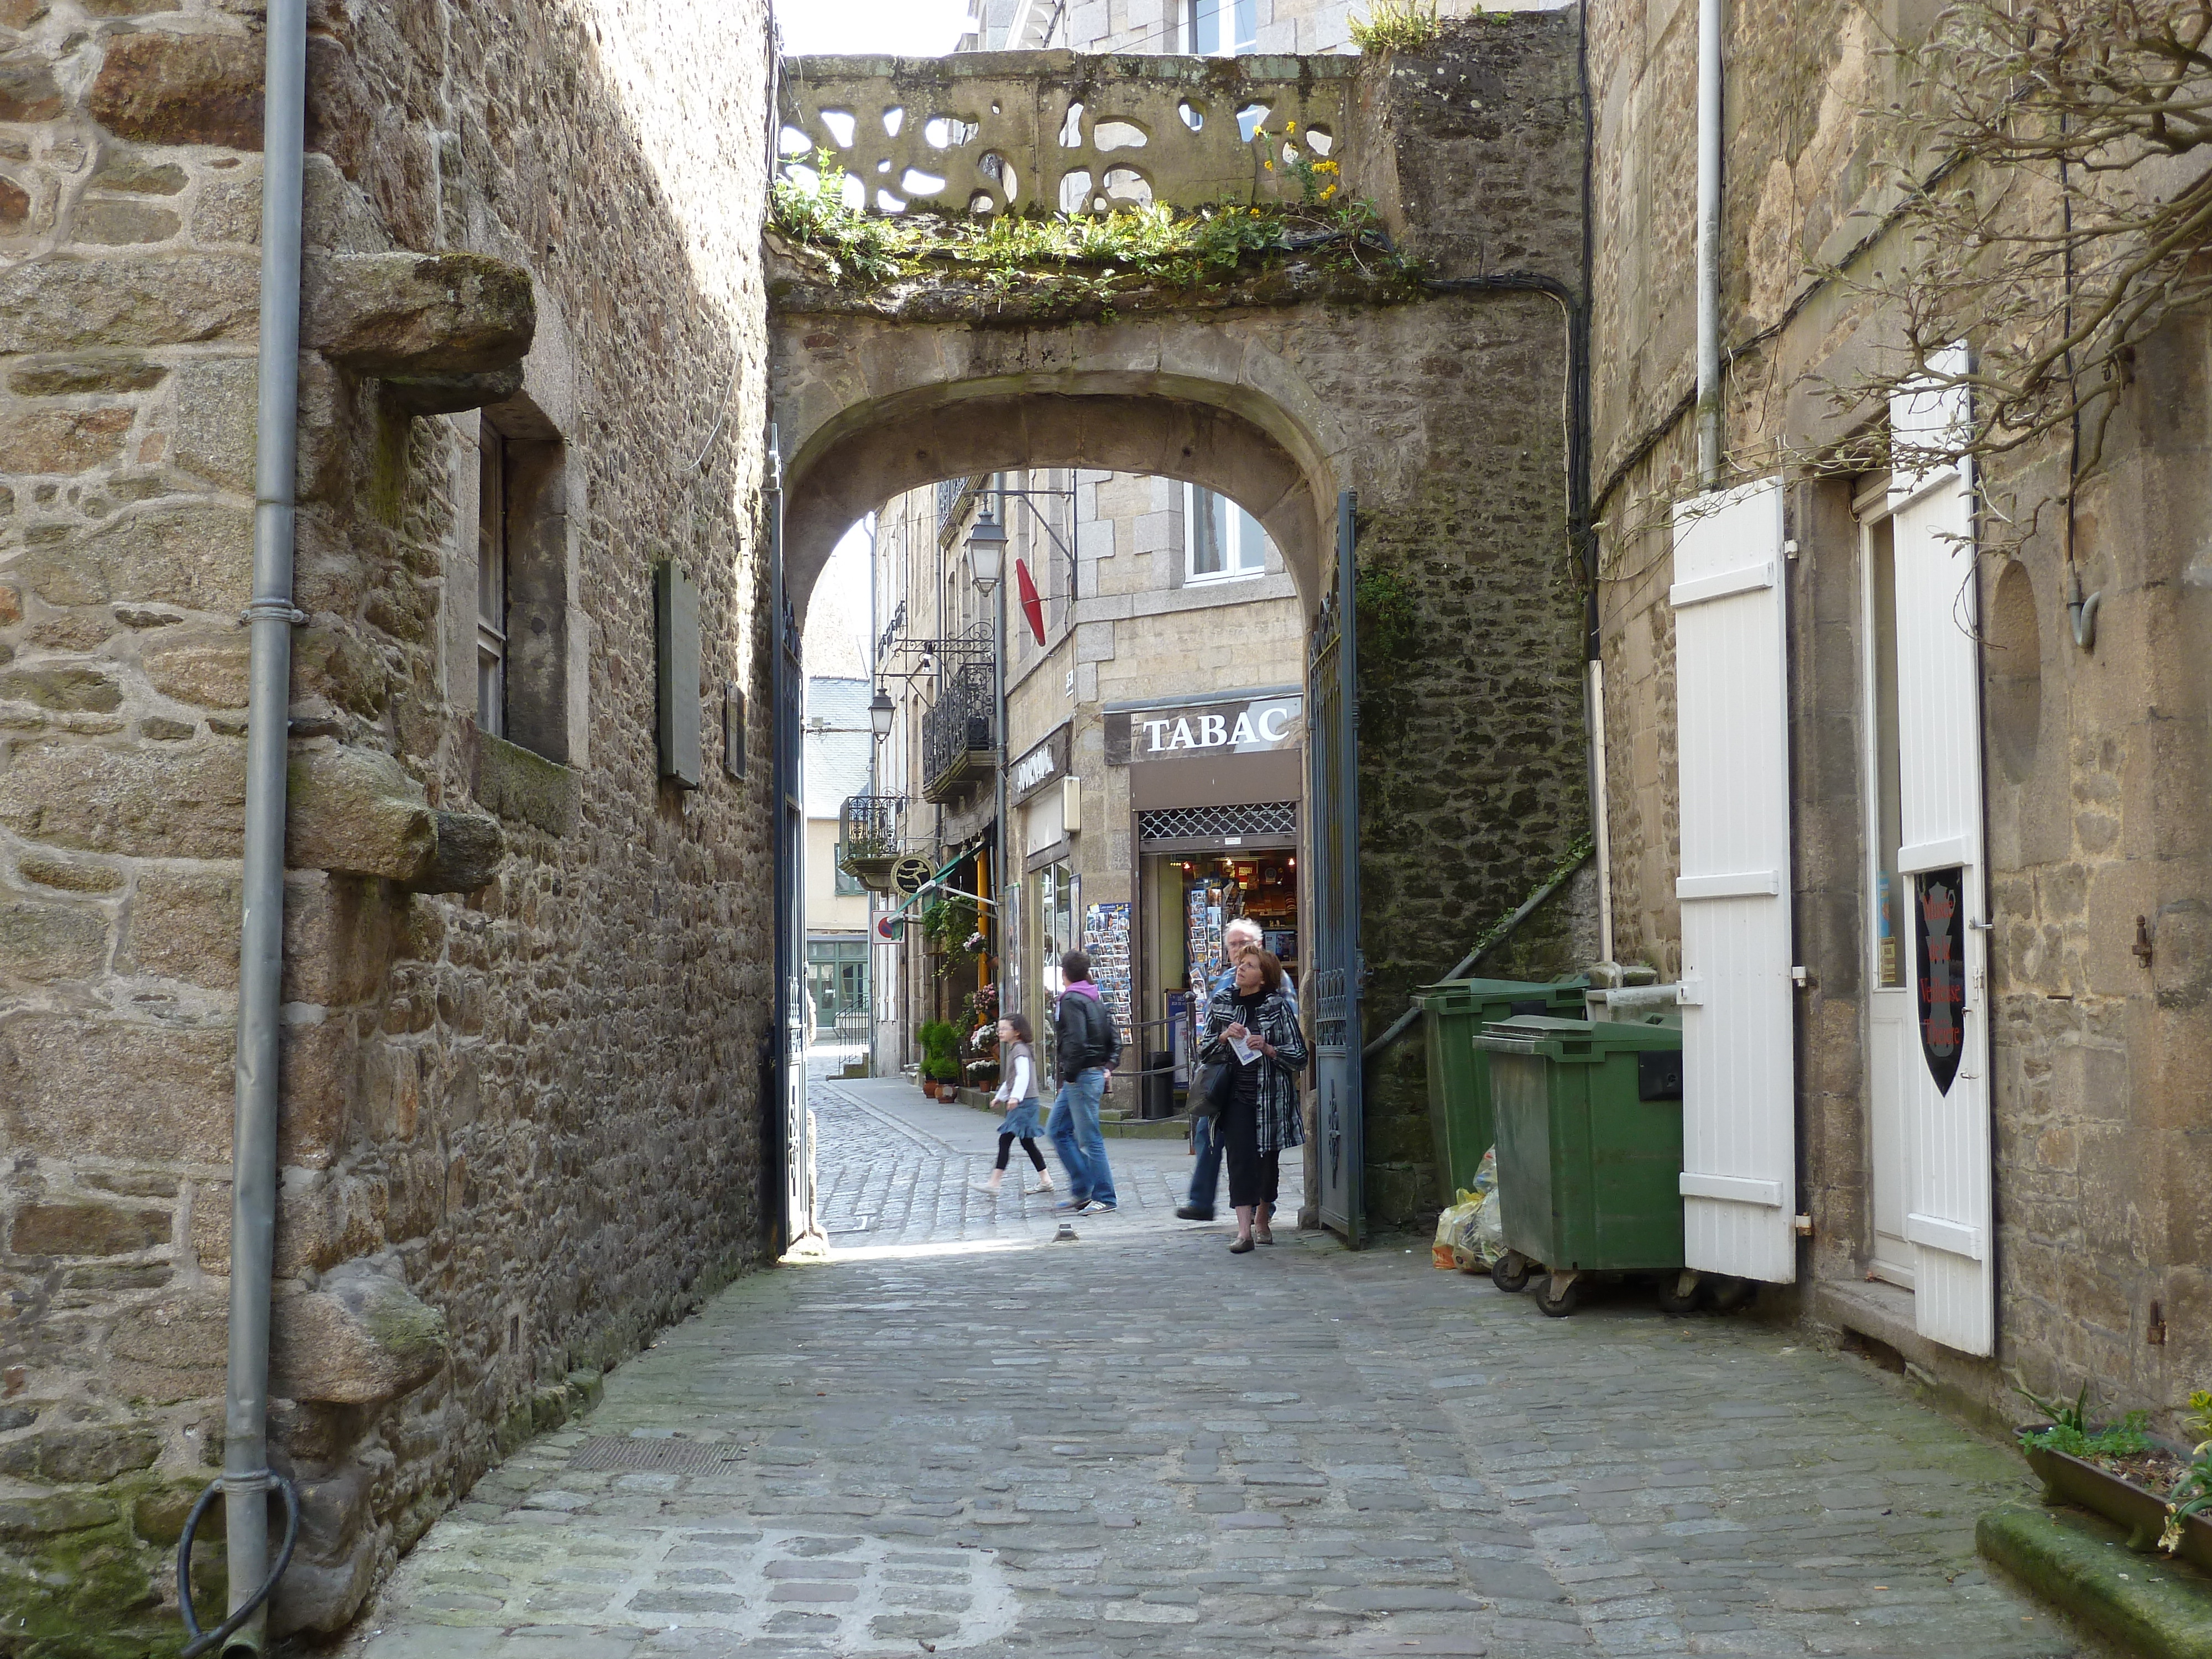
(1452, 1012)
(1589, 1154)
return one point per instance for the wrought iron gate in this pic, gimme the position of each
(1333, 748)
(787, 1140)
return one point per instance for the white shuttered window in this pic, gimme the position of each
(1739, 1105)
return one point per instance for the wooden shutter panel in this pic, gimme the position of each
(1739, 1086)
(1949, 1219)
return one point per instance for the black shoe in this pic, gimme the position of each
(1192, 1212)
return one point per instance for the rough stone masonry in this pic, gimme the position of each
(523, 982)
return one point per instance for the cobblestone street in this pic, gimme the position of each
(956, 1436)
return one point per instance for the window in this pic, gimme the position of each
(525, 576)
(838, 979)
(491, 581)
(1221, 540)
(845, 884)
(1210, 20)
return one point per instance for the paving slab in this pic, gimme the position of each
(956, 1436)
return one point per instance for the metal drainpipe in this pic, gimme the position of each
(246, 1481)
(1709, 242)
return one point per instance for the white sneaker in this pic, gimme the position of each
(1095, 1207)
(1043, 1185)
(990, 1187)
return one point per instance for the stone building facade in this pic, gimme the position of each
(526, 977)
(2095, 759)
(1471, 709)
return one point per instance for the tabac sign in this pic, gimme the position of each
(1255, 726)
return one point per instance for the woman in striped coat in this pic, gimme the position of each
(1252, 1026)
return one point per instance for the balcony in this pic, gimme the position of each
(958, 745)
(869, 838)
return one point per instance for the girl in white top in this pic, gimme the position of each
(1018, 1089)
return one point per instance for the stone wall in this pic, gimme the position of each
(2096, 761)
(518, 1128)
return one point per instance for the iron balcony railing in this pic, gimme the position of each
(953, 495)
(957, 740)
(868, 825)
(868, 839)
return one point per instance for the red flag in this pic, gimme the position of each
(1032, 606)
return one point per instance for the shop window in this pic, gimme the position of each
(522, 596)
(1221, 540)
(838, 979)
(1224, 28)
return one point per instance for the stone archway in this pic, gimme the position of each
(873, 422)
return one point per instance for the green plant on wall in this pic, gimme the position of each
(1086, 259)
(1397, 25)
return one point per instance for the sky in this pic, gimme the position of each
(839, 638)
(913, 28)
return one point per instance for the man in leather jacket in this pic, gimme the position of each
(1087, 1047)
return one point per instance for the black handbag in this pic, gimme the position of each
(1209, 1094)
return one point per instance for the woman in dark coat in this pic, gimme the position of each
(1260, 1119)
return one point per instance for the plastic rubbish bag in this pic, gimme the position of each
(1451, 1225)
(1483, 1241)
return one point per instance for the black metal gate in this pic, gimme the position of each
(786, 1116)
(1333, 748)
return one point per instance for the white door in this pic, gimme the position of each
(1739, 1099)
(1893, 1037)
(1940, 861)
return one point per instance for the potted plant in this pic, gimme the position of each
(938, 1038)
(2160, 1493)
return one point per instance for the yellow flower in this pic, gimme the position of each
(1271, 166)
(1330, 191)
(1324, 167)
(1289, 126)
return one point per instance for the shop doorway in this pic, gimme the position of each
(1191, 892)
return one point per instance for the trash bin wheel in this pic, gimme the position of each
(1727, 1295)
(1510, 1271)
(1674, 1298)
(1559, 1300)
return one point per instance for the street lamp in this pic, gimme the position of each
(881, 713)
(987, 553)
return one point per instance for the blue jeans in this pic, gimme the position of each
(1205, 1169)
(1077, 1138)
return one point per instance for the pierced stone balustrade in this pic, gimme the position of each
(1044, 131)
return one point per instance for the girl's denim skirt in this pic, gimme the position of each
(1025, 1122)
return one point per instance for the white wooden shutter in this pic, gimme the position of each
(1732, 743)
(1949, 1220)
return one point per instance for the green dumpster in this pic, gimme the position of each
(1590, 1152)
(1452, 1012)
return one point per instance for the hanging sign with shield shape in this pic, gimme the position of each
(1939, 961)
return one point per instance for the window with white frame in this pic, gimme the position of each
(1224, 28)
(1221, 541)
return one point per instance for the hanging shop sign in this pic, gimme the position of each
(1936, 915)
(1044, 764)
(908, 874)
(1255, 726)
